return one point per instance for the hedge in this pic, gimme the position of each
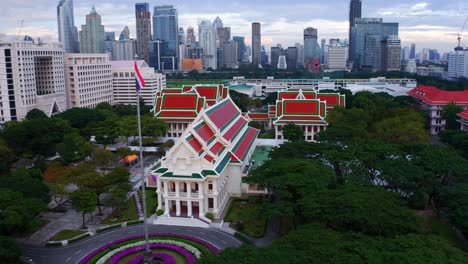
(54, 244)
(108, 228)
(135, 222)
(78, 238)
(244, 238)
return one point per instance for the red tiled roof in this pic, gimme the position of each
(300, 107)
(209, 92)
(216, 147)
(300, 120)
(208, 157)
(463, 114)
(287, 95)
(229, 135)
(223, 113)
(180, 101)
(331, 99)
(181, 114)
(205, 132)
(434, 96)
(258, 116)
(195, 144)
(245, 143)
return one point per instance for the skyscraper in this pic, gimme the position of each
(275, 53)
(412, 55)
(92, 34)
(291, 57)
(256, 44)
(207, 39)
(218, 23)
(166, 30)
(391, 54)
(143, 30)
(264, 56)
(300, 54)
(241, 50)
(109, 40)
(311, 47)
(68, 34)
(125, 34)
(190, 38)
(322, 50)
(355, 11)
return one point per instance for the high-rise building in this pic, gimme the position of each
(124, 82)
(282, 65)
(355, 11)
(124, 50)
(218, 23)
(230, 55)
(458, 64)
(300, 54)
(337, 56)
(368, 34)
(166, 30)
(391, 54)
(207, 39)
(311, 47)
(125, 34)
(33, 78)
(275, 53)
(241, 50)
(155, 61)
(411, 66)
(79, 70)
(412, 55)
(256, 44)
(190, 39)
(264, 60)
(222, 34)
(143, 29)
(323, 51)
(434, 55)
(68, 34)
(92, 34)
(109, 39)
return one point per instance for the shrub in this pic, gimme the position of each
(135, 222)
(209, 216)
(80, 237)
(108, 228)
(159, 212)
(243, 238)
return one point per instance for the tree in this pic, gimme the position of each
(119, 177)
(124, 110)
(104, 106)
(449, 113)
(116, 199)
(80, 118)
(105, 132)
(102, 157)
(27, 184)
(457, 139)
(6, 157)
(35, 114)
(455, 199)
(293, 132)
(153, 127)
(127, 127)
(255, 124)
(9, 251)
(84, 201)
(73, 148)
(348, 207)
(95, 182)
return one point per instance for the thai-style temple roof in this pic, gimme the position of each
(184, 104)
(217, 137)
(463, 114)
(434, 96)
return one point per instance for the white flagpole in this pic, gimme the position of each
(148, 253)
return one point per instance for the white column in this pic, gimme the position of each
(215, 204)
(177, 207)
(166, 188)
(166, 207)
(158, 183)
(200, 190)
(201, 207)
(177, 189)
(189, 189)
(189, 208)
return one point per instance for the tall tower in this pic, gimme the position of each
(311, 46)
(355, 11)
(166, 30)
(143, 30)
(190, 37)
(256, 44)
(68, 34)
(92, 35)
(412, 55)
(207, 39)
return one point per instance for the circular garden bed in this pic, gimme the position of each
(166, 248)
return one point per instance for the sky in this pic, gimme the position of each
(429, 24)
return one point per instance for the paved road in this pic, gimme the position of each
(73, 253)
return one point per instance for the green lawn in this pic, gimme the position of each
(127, 214)
(439, 226)
(66, 234)
(244, 215)
(151, 201)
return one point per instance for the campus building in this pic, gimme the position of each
(433, 100)
(124, 82)
(206, 165)
(463, 120)
(88, 79)
(32, 77)
(179, 107)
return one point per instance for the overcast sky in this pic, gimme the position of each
(429, 24)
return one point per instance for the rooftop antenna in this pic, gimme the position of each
(20, 29)
(459, 47)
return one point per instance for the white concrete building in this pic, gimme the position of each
(31, 76)
(206, 165)
(207, 39)
(458, 64)
(88, 79)
(337, 57)
(411, 66)
(463, 120)
(124, 82)
(282, 65)
(124, 49)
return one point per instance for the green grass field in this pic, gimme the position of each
(66, 234)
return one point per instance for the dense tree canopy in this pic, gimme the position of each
(449, 113)
(293, 132)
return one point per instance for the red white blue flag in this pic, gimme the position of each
(140, 82)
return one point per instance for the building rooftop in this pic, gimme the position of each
(127, 64)
(463, 114)
(434, 96)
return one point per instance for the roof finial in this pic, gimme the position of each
(93, 10)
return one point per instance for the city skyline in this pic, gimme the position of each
(429, 24)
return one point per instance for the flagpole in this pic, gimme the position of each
(148, 253)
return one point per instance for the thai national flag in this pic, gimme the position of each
(140, 82)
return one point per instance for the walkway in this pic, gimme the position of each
(73, 253)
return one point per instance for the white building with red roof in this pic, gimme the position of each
(463, 120)
(180, 106)
(433, 100)
(205, 166)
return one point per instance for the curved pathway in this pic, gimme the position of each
(73, 253)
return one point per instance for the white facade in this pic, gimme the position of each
(411, 66)
(337, 57)
(124, 82)
(124, 50)
(31, 76)
(282, 65)
(88, 79)
(458, 64)
(207, 38)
